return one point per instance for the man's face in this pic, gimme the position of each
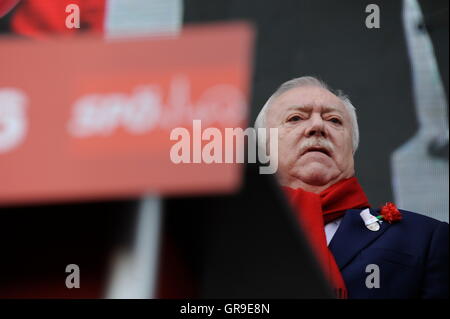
(314, 137)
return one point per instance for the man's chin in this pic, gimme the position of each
(315, 176)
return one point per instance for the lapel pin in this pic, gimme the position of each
(370, 221)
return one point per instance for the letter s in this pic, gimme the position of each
(12, 118)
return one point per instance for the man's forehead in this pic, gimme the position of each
(307, 98)
(322, 107)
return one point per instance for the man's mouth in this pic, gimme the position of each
(317, 149)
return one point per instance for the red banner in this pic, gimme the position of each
(86, 118)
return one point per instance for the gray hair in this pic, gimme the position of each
(311, 81)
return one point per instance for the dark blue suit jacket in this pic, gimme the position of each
(411, 255)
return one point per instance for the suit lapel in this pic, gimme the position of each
(352, 236)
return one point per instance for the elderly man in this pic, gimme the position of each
(364, 252)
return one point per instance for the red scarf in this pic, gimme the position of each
(314, 211)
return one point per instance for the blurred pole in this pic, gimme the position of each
(134, 268)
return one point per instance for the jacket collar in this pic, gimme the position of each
(352, 236)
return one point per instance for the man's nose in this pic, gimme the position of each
(316, 127)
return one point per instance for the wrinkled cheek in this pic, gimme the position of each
(346, 164)
(283, 155)
(288, 145)
(286, 157)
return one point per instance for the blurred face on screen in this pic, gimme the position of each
(315, 138)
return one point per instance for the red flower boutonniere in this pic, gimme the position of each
(390, 213)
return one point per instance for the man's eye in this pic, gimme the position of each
(294, 118)
(336, 120)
